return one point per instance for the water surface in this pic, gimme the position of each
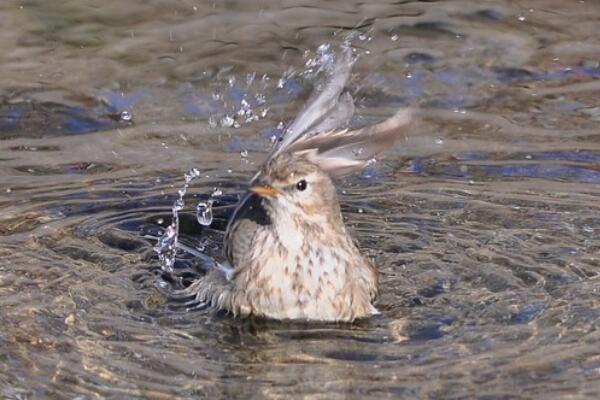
(484, 222)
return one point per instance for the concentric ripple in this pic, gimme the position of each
(483, 222)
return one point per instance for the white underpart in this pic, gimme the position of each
(312, 287)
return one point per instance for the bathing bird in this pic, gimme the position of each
(289, 254)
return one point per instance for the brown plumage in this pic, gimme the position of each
(289, 253)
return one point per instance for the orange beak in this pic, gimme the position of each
(265, 191)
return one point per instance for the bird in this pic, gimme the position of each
(289, 255)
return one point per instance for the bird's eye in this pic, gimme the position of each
(301, 185)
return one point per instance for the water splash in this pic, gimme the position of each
(166, 247)
(242, 100)
(247, 108)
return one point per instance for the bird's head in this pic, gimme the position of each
(290, 183)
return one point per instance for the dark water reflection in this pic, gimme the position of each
(484, 223)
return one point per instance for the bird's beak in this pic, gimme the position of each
(265, 190)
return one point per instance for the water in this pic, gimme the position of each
(484, 222)
(166, 246)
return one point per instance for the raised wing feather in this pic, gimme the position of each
(326, 108)
(346, 151)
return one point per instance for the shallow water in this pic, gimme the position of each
(484, 222)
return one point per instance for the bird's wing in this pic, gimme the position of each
(327, 108)
(315, 131)
(346, 151)
(248, 217)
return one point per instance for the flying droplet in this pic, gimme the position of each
(227, 121)
(178, 205)
(126, 116)
(204, 213)
(260, 99)
(167, 248)
(250, 78)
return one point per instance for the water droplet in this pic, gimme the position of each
(167, 248)
(126, 116)
(227, 121)
(204, 213)
(161, 284)
(178, 205)
(250, 78)
(191, 174)
(260, 99)
(324, 48)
